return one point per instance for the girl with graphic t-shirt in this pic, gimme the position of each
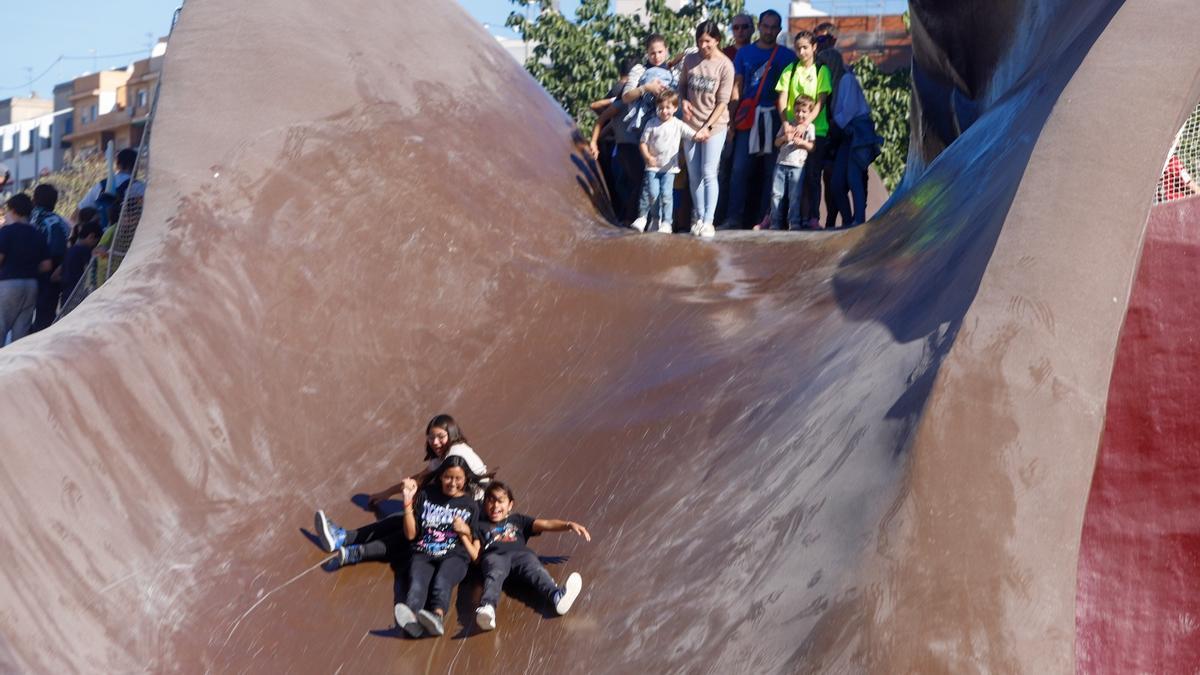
(437, 520)
(501, 538)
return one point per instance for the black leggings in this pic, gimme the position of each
(381, 540)
(445, 572)
(523, 564)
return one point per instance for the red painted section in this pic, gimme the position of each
(1138, 608)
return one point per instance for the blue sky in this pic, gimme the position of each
(120, 31)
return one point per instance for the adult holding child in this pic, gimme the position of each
(806, 77)
(705, 85)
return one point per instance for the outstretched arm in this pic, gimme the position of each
(374, 498)
(550, 525)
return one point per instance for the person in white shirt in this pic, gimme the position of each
(794, 142)
(443, 439)
(660, 150)
(124, 160)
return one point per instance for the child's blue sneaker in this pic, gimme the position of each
(431, 622)
(332, 536)
(346, 555)
(407, 621)
(565, 596)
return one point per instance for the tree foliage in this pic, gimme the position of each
(576, 61)
(888, 94)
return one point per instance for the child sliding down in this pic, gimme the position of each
(500, 545)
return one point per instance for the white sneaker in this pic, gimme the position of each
(706, 230)
(485, 617)
(696, 227)
(665, 228)
(407, 621)
(639, 224)
(565, 597)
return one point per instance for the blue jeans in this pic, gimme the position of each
(859, 148)
(658, 196)
(703, 163)
(789, 180)
(739, 212)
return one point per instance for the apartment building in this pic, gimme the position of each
(112, 105)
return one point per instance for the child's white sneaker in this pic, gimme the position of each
(707, 231)
(639, 224)
(665, 228)
(485, 617)
(407, 621)
(696, 227)
(431, 622)
(565, 596)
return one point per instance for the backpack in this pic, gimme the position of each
(105, 201)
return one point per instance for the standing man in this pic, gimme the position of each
(756, 70)
(742, 27)
(56, 231)
(23, 255)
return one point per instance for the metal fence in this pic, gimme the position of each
(118, 239)
(1180, 173)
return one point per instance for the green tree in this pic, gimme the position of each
(576, 61)
(888, 94)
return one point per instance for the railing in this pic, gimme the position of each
(101, 267)
(1181, 173)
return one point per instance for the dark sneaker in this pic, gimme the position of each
(346, 555)
(565, 596)
(431, 622)
(407, 621)
(485, 617)
(332, 537)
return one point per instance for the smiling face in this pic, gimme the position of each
(707, 45)
(454, 481)
(439, 441)
(666, 110)
(656, 53)
(497, 506)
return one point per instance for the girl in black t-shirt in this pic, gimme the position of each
(437, 522)
(501, 538)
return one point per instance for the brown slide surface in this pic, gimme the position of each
(865, 450)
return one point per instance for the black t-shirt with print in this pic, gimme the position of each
(435, 514)
(510, 534)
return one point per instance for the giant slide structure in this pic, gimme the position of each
(862, 451)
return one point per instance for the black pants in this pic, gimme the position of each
(629, 180)
(814, 166)
(381, 540)
(47, 302)
(445, 573)
(522, 564)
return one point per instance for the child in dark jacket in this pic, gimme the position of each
(501, 538)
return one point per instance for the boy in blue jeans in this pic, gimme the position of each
(793, 145)
(660, 150)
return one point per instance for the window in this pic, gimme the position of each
(142, 98)
(92, 113)
(48, 139)
(28, 145)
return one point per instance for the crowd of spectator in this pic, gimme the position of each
(43, 257)
(766, 132)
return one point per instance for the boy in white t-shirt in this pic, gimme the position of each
(660, 149)
(793, 144)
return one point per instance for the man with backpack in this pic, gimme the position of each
(56, 231)
(101, 196)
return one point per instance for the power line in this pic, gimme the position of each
(65, 57)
